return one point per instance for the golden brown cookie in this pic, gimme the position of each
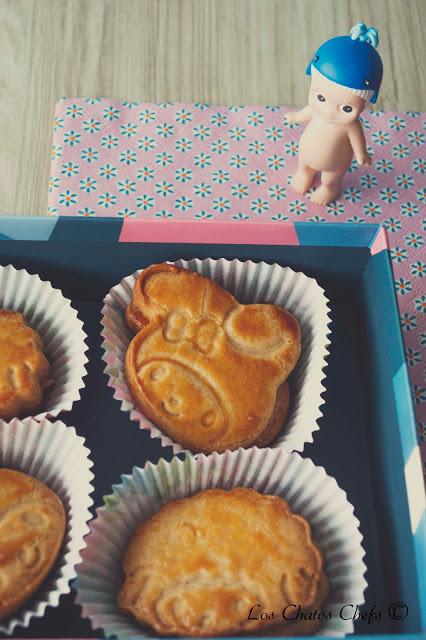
(24, 368)
(32, 526)
(198, 566)
(306, 621)
(207, 370)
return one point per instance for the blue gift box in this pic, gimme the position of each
(367, 439)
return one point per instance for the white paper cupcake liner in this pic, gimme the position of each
(47, 311)
(307, 488)
(249, 282)
(54, 454)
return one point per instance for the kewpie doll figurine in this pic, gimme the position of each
(346, 75)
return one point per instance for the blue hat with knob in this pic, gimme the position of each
(352, 61)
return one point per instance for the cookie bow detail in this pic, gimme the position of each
(201, 332)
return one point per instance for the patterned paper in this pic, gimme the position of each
(194, 161)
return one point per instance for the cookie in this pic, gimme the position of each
(210, 372)
(24, 368)
(197, 567)
(32, 526)
(304, 623)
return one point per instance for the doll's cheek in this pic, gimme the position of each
(348, 118)
(355, 115)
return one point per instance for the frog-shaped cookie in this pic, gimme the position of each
(210, 372)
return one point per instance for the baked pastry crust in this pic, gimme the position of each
(24, 368)
(198, 566)
(301, 626)
(210, 372)
(32, 526)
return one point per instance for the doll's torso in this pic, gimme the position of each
(325, 146)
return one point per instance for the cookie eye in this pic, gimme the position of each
(347, 108)
(320, 98)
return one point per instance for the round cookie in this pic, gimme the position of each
(305, 623)
(24, 368)
(32, 526)
(198, 566)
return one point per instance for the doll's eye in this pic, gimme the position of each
(320, 98)
(347, 108)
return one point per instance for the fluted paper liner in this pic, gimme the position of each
(307, 488)
(47, 311)
(54, 454)
(249, 282)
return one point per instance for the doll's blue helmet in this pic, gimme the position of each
(352, 61)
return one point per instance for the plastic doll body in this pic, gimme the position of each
(330, 140)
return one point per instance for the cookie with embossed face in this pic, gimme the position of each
(210, 372)
(24, 368)
(32, 526)
(200, 564)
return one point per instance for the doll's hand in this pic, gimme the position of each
(364, 158)
(292, 117)
(297, 117)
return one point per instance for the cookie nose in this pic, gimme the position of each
(158, 373)
(208, 418)
(171, 405)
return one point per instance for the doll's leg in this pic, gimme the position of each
(303, 177)
(330, 187)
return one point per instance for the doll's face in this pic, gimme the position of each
(332, 102)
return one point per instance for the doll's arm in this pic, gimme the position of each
(297, 117)
(358, 144)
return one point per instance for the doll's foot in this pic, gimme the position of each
(325, 194)
(302, 180)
